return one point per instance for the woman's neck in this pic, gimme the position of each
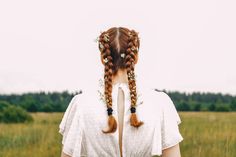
(120, 77)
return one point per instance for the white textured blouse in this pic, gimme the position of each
(86, 117)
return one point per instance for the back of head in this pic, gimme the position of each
(119, 48)
(117, 41)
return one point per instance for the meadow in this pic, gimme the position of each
(206, 134)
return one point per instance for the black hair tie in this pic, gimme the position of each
(133, 109)
(109, 111)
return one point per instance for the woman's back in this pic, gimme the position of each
(86, 116)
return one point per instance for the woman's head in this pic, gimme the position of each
(121, 41)
(119, 49)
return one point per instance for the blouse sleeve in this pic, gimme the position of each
(169, 124)
(71, 128)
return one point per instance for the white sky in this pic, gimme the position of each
(48, 45)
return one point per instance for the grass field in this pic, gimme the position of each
(206, 134)
(39, 139)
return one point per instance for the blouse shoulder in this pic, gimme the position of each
(71, 127)
(168, 107)
(168, 134)
(69, 114)
(164, 102)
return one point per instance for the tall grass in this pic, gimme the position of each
(38, 139)
(206, 134)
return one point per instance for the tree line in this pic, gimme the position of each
(14, 107)
(202, 101)
(58, 101)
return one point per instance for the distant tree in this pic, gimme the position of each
(233, 105)
(47, 108)
(3, 104)
(32, 107)
(15, 114)
(183, 107)
(197, 107)
(212, 107)
(224, 108)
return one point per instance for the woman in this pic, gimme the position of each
(123, 118)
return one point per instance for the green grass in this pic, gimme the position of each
(206, 134)
(37, 139)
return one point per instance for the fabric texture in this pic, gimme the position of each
(86, 116)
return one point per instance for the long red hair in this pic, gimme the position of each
(112, 43)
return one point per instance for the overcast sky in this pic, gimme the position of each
(48, 45)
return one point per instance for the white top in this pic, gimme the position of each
(86, 117)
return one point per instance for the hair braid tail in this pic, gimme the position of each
(104, 39)
(130, 58)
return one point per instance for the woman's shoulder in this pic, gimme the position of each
(88, 98)
(76, 103)
(159, 99)
(153, 92)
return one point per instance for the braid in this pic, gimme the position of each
(118, 47)
(130, 58)
(105, 49)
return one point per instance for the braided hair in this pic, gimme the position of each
(119, 47)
